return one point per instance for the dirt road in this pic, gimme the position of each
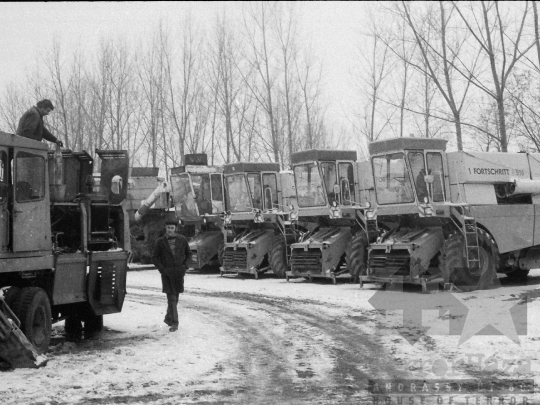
(240, 341)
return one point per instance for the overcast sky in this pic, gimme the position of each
(27, 31)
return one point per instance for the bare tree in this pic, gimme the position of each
(502, 48)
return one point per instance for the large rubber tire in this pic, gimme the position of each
(85, 321)
(356, 255)
(11, 296)
(34, 311)
(278, 257)
(221, 253)
(453, 262)
(518, 274)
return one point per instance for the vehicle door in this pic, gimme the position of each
(31, 219)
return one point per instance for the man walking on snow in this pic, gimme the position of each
(31, 123)
(170, 256)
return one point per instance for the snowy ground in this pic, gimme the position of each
(269, 341)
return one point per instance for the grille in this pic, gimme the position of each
(387, 264)
(235, 258)
(303, 261)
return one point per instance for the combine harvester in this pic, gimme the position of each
(339, 219)
(458, 216)
(197, 191)
(256, 225)
(64, 243)
(147, 191)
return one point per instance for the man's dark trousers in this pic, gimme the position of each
(171, 318)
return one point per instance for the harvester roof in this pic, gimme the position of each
(144, 171)
(20, 141)
(242, 167)
(396, 144)
(322, 155)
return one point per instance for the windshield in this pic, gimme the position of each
(183, 195)
(201, 188)
(237, 193)
(392, 182)
(309, 186)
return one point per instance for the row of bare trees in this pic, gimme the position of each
(235, 91)
(468, 71)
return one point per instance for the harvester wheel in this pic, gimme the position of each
(356, 256)
(453, 262)
(221, 253)
(518, 274)
(34, 311)
(92, 323)
(11, 296)
(278, 257)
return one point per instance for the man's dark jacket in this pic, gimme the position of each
(31, 126)
(171, 265)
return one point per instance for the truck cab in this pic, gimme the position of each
(198, 197)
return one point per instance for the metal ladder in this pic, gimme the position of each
(472, 249)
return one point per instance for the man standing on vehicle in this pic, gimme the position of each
(170, 256)
(31, 123)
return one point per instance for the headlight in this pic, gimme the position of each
(370, 215)
(293, 215)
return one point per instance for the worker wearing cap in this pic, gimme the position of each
(171, 253)
(31, 123)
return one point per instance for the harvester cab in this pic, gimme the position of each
(327, 186)
(197, 191)
(410, 179)
(258, 198)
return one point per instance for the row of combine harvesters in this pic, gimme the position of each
(413, 213)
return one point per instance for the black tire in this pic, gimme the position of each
(278, 257)
(518, 274)
(356, 255)
(453, 265)
(73, 328)
(92, 324)
(221, 253)
(34, 311)
(11, 296)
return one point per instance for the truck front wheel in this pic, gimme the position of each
(278, 257)
(34, 311)
(454, 267)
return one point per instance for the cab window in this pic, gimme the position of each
(330, 180)
(29, 177)
(270, 191)
(435, 167)
(346, 183)
(254, 181)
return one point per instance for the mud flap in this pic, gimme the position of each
(15, 348)
(106, 286)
